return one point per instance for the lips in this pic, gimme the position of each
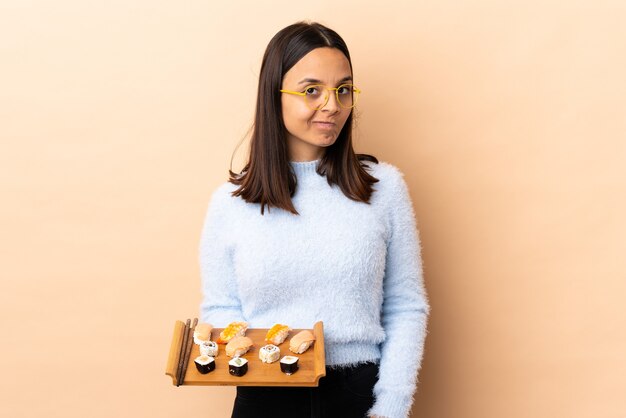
(323, 123)
(325, 126)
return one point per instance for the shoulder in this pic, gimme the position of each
(225, 190)
(390, 177)
(221, 197)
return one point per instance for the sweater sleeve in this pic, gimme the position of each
(405, 309)
(220, 303)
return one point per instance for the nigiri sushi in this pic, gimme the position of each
(238, 346)
(202, 333)
(277, 334)
(234, 329)
(301, 342)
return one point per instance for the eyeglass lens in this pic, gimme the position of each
(317, 96)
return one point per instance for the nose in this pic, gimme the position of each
(332, 105)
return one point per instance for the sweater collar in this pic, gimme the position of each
(305, 168)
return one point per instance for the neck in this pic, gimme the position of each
(300, 151)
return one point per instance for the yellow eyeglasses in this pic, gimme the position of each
(316, 95)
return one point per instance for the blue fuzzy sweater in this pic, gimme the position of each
(355, 266)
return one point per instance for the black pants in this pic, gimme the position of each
(344, 392)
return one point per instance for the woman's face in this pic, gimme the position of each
(310, 131)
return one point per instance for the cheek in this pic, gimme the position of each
(344, 118)
(296, 117)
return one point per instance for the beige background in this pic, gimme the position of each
(118, 119)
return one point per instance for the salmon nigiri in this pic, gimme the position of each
(238, 346)
(202, 333)
(301, 341)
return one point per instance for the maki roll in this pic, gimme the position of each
(289, 365)
(209, 348)
(269, 353)
(202, 333)
(234, 329)
(205, 364)
(277, 334)
(238, 366)
(238, 346)
(301, 341)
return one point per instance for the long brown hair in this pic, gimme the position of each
(268, 177)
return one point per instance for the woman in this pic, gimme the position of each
(338, 242)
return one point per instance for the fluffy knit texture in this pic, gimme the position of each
(355, 266)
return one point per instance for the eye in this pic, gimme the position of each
(312, 90)
(344, 90)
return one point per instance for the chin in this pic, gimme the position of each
(326, 140)
(325, 144)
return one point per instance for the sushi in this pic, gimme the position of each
(289, 364)
(234, 329)
(269, 353)
(205, 364)
(238, 346)
(202, 333)
(301, 341)
(277, 334)
(209, 348)
(238, 366)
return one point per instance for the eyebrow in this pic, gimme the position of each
(314, 80)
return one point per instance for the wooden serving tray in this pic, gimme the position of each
(312, 363)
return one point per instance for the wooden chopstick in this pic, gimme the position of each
(181, 356)
(188, 350)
